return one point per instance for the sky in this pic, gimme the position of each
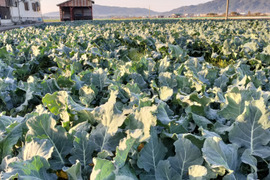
(156, 5)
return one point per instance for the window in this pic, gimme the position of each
(38, 6)
(26, 6)
(11, 3)
(34, 7)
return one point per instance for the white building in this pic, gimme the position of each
(20, 11)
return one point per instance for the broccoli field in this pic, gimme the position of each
(141, 99)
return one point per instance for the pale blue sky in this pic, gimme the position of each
(156, 5)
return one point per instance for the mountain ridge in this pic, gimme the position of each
(99, 10)
(219, 6)
(109, 11)
(214, 6)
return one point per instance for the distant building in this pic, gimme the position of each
(212, 14)
(188, 15)
(76, 10)
(203, 15)
(235, 13)
(20, 11)
(160, 16)
(176, 15)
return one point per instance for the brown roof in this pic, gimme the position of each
(78, 3)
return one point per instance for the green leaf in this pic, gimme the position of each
(247, 158)
(211, 74)
(234, 106)
(187, 155)
(184, 84)
(138, 79)
(219, 155)
(195, 139)
(60, 103)
(167, 79)
(221, 82)
(251, 47)
(202, 100)
(6, 161)
(99, 78)
(3, 52)
(201, 121)
(29, 94)
(164, 64)
(43, 127)
(65, 82)
(194, 66)
(36, 147)
(109, 115)
(74, 172)
(176, 51)
(57, 104)
(226, 50)
(35, 169)
(144, 119)
(152, 153)
(82, 149)
(125, 146)
(83, 126)
(105, 154)
(163, 113)
(103, 140)
(49, 86)
(7, 124)
(103, 170)
(165, 172)
(126, 173)
(7, 143)
(251, 129)
(265, 55)
(194, 102)
(87, 95)
(75, 107)
(268, 176)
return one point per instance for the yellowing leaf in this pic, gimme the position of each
(196, 171)
(165, 93)
(62, 174)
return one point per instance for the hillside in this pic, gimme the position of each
(215, 6)
(219, 6)
(105, 11)
(108, 11)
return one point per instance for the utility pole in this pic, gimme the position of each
(18, 6)
(227, 10)
(149, 11)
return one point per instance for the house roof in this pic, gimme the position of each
(78, 3)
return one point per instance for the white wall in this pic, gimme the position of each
(29, 15)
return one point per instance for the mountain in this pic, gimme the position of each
(100, 11)
(106, 11)
(52, 14)
(215, 6)
(219, 6)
